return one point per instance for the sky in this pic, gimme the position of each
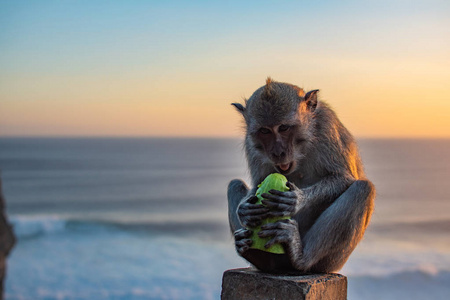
(172, 68)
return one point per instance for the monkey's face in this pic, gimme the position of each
(278, 118)
(280, 145)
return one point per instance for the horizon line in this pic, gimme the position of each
(200, 137)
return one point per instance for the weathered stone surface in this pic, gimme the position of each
(248, 283)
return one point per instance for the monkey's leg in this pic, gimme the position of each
(237, 190)
(337, 231)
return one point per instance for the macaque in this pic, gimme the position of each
(329, 202)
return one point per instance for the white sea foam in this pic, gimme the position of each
(33, 226)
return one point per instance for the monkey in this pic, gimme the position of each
(330, 201)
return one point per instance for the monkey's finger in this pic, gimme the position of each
(248, 211)
(267, 233)
(243, 243)
(269, 226)
(252, 223)
(287, 221)
(282, 224)
(256, 218)
(279, 206)
(258, 209)
(254, 212)
(291, 186)
(287, 194)
(279, 214)
(279, 198)
(242, 250)
(242, 233)
(252, 200)
(243, 246)
(252, 206)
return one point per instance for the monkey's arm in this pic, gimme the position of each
(326, 190)
(336, 232)
(321, 195)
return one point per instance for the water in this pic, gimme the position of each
(146, 218)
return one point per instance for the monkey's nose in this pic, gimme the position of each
(279, 155)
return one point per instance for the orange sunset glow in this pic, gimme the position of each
(173, 70)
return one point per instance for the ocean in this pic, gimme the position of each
(146, 218)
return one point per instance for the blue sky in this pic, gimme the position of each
(43, 35)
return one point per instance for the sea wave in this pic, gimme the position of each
(33, 226)
(37, 226)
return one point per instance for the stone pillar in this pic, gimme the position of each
(249, 283)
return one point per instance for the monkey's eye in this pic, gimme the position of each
(283, 128)
(264, 130)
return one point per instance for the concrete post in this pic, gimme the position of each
(248, 283)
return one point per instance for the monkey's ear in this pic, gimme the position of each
(239, 107)
(311, 99)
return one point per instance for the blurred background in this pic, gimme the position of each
(117, 138)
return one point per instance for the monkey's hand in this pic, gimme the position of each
(242, 240)
(250, 214)
(284, 204)
(285, 232)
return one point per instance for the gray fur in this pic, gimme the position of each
(330, 201)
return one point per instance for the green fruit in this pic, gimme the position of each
(278, 182)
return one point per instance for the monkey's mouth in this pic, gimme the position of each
(284, 168)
